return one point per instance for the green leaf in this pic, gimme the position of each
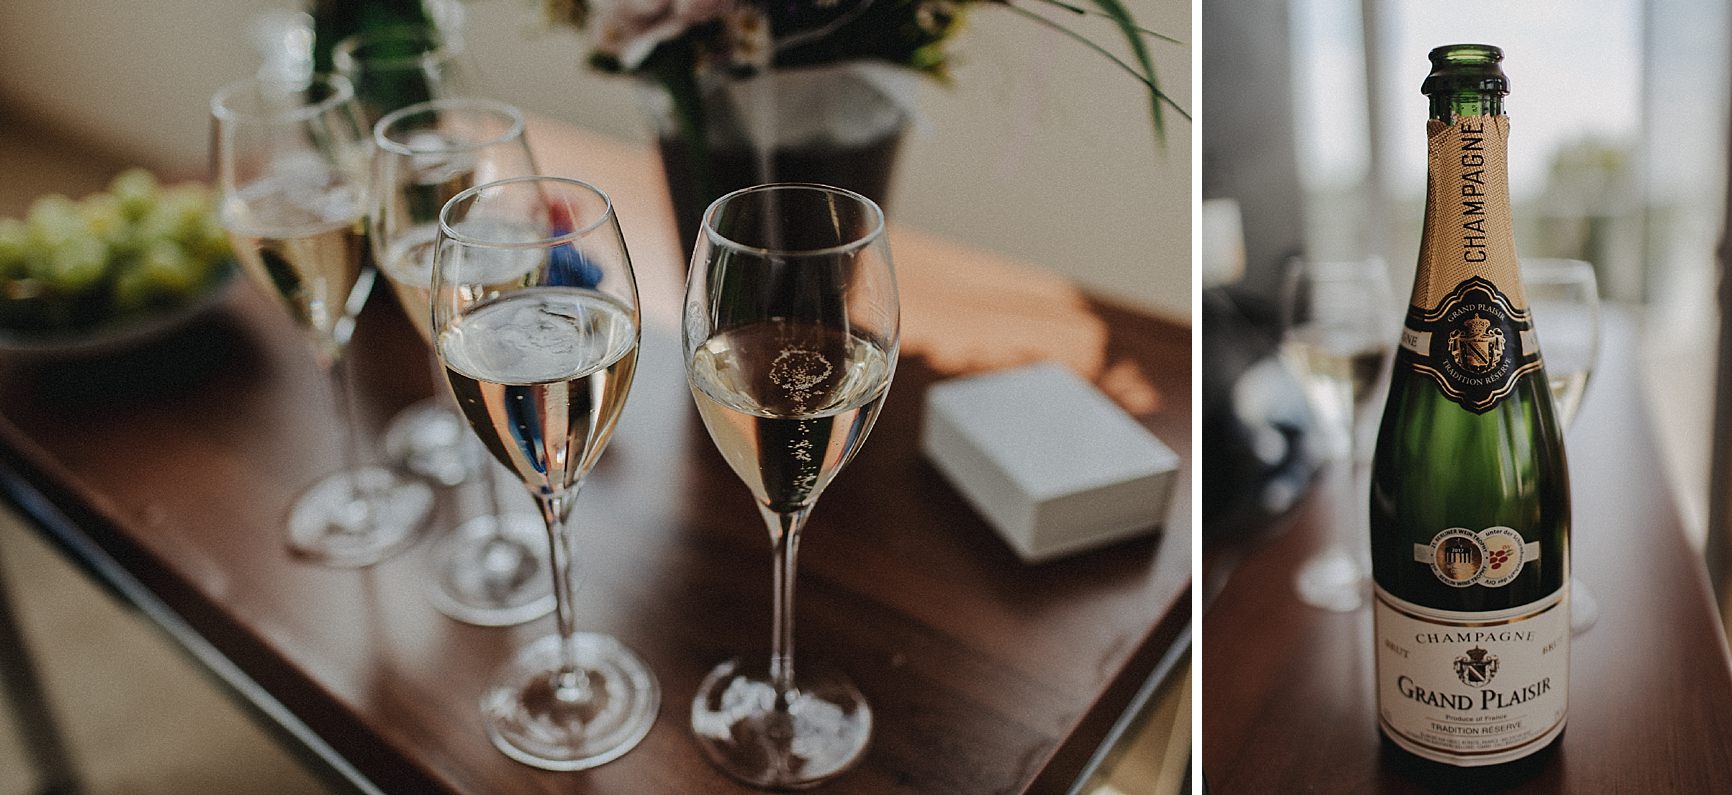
(1122, 17)
(1146, 72)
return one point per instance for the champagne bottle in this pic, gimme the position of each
(1470, 502)
(335, 20)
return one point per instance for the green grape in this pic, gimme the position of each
(103, 218)
(133, 290)
(53, 221)
(152, 226)
(75, 265)
(168, 268)
(179, 215)
(14, 248)
(139, 247)
(136, 190)
(212, 242)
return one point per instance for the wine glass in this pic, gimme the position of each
(791, 334)
(1564, 297)
(291, 162)
(1337, 318)
(397, 66)
(535, 318)
(392, 68)
(492, 569)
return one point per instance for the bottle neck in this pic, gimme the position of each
(1448, 105)
(1468, 225)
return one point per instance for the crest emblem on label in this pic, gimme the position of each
(1476, 667)
(1475, 344)
(1476, 347)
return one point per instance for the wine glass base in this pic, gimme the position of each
(431, 440)
(531, 719)
(1333, 580)
(358, 517)
(492, 571)
(823, 732)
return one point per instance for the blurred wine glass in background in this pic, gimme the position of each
(394, 67)
(1564, 297)
(1339, 323)
(292, 161)
(491, 570)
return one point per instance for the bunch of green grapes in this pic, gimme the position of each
(137, 249)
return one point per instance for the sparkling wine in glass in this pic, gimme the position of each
(1337, 317)
(291, 160)
(1564, 297)
(791, 334)
(492, 569)
(541, 361)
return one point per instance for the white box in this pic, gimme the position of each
(1049, 461)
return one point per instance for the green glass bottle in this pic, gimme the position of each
(1470, 498)
(335, 20)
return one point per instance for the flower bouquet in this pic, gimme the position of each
(743, 93)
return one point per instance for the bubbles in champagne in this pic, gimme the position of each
(802, 449)
(788, 403)
(797, 371)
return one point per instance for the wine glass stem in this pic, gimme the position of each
(337, 369)
(334, 350)
(785, 536)
(573, 682)
(1348, 538)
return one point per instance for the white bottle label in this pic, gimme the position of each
(1472, 689)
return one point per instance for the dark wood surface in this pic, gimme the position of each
(985, 675)
(1288, 701)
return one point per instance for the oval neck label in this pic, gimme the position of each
(1475, 344)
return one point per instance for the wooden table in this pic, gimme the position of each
(170, 473)
(1288, 703)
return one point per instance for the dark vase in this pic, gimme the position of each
(837, 125)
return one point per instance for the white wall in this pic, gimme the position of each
(1041, 149)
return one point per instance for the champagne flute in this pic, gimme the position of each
(291, 161)
(392, 68)
(1337, 317)
(491, 570)
(401, 65)
(535, 318)
(791, 334)
(1564, 297)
